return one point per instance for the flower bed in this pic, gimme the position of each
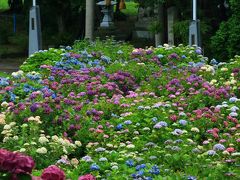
(137, 114)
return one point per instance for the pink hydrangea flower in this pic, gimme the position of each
(53, 172)
(15, 163)
(87, 177)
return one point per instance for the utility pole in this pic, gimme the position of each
(89, 24)
(194, 28)
(35, 35)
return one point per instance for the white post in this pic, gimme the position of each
(34, 2)
(89, 26)
(194, 10)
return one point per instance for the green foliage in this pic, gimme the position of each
(155, 27)
(109, 47)
(131, 9)
(225, 43)
(181, 31)
(34, 62)
(3, 4)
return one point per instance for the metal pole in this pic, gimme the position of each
(14, 23)
(194, 10)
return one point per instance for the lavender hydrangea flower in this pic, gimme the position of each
(211, 152)
(183, 122)
(219, 147)
(128, 122)
(160, 124)
(100, 149)
(87, 159)
(233, 99)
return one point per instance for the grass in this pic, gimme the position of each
(131, 9)
(3, 4)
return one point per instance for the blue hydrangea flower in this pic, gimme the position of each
(154, 170)
(12, 96)
(160, 56)
(130, 163)
(184, 57)
(213, 62)
(191, 178)
(94, 167)
(154, 119)
(4, 81)
(51, 78)
(141, 166)
(198, 51)
(119, 127)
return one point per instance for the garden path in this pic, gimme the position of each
(10, 64)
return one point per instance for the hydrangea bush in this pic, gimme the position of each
(156, 113)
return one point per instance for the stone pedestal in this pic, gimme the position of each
(194, 33)
(107, 21)
(35, 35)
(172, 16)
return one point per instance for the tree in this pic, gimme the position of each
(225, 43)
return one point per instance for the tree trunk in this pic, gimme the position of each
(61, 27)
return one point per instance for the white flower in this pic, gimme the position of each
(146, 129)
(130, 146)
(236, 154)
(74, 161)
(103, 159)
(4, 104)
(109, 145)
(22, 150)
(7, 127)
(5, 139)
(43, 140)
(194, 129)
(122, 145)
(233, 114)
(114, 167)
(12, 124)
(55, 138)
(224, 69)
(41, 150)
(78, 143)
(15, 138)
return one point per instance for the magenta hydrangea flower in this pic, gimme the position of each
(15, 163)
(53, 172)
(87, 177)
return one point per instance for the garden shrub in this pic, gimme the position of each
(164, 113)
(225, 43)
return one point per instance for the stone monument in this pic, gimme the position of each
(107, 10)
